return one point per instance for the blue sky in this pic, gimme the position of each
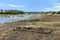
(30, 5)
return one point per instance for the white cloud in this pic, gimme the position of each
(12, 5)
(51, 1)
(56, 7)
(1, 4)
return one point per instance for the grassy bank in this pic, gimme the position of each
(3, 14)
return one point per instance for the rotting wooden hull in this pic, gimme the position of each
(36, 30)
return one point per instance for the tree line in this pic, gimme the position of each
(11, 12)
(22, 12)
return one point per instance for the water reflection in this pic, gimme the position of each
(11, 17)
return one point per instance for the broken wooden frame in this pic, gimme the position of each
(36, 30)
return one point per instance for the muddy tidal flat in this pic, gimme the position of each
(45, 29)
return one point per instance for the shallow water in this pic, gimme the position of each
(9, 18)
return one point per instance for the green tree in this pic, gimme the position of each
(13, 12)
(20, 12)
(53, 13)
(58, 12)
(1, 11)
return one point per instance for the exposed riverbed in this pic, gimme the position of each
(9, 31)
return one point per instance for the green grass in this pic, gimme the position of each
(38, 23)
(3, 14)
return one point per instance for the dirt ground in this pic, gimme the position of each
(12, 31)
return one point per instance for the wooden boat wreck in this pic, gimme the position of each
(35, 30)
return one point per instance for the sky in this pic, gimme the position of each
(30, 5)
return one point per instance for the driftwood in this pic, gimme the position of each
(36, 30)
(32, 20)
